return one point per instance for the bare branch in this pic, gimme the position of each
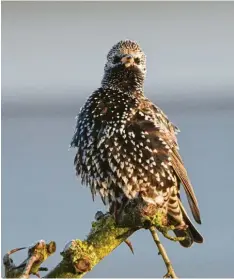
(163, 253)
(37, 254)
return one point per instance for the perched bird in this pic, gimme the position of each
(127, 147)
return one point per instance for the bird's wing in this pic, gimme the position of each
(181, 172)
(161, 134)
(83, 138)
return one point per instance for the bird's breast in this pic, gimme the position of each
(116, 152)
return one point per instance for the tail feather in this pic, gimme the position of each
(191, 233)
(188, 241)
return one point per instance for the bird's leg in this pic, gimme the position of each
(117, 218)
(164, 231)
(117, 214)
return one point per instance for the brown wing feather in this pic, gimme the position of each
(181, 172)
(178, 166)
(177, 163)
(167, 132)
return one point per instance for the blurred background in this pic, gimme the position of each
(53, 54)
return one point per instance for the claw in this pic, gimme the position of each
(128, 242)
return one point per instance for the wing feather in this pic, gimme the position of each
(181, 172)
(167, 133)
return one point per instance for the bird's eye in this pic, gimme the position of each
(137, 60)
(116, 59)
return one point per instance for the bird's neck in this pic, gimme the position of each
(126, 80)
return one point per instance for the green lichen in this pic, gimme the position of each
(83, 250)
(157, 220)
(103, 238)
(42, 254)
(37, 254)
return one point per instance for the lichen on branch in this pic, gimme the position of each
(80, 257)
(37, 254)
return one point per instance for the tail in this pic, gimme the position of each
(191, 233)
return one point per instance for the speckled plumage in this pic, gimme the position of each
(127, 147)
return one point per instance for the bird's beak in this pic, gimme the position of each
(127, 60)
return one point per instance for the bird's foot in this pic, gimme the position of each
(116, 217)
(164, 231)
(181, 227)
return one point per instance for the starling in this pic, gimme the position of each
(127, 147)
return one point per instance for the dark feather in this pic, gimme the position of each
(191, 232)
(183, 177)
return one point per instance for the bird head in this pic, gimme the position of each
(126, 64)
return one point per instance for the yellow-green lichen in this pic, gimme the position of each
(105, 236)
(41, 251)
(81, 250)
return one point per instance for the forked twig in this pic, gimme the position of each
(37, 254)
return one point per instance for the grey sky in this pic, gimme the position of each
(63, 45)
(53, 54)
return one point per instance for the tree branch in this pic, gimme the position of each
(79, 257)
(37, 254)
(163, 253)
